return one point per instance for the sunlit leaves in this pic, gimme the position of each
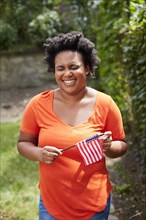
(44, 25)
(134, 47)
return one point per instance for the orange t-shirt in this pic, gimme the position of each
(69, 189)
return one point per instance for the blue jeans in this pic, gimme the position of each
(44, 215)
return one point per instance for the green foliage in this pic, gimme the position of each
(113, 19)
(125, 188)
(44, 25)
(34, 21)
(80, 15)
(8, 35)
(135, 6)
(30, 20)
(134, 47)
(19, 178)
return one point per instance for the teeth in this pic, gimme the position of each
(69, 82)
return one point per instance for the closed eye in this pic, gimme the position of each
(74, 67)
(60, 68)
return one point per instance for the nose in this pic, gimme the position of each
(67, 73)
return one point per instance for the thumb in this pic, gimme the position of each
(108, 134)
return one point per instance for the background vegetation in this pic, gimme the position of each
(118, 29)
(19, 194)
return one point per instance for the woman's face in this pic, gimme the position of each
(70, 72)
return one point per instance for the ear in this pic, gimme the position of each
(87, 70)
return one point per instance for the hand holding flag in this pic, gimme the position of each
(90, 149)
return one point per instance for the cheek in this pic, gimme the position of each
(57, 76)
(82, 75)
(56, 79)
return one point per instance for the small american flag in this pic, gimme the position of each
(90, 149)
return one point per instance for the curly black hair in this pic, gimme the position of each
(74, 41)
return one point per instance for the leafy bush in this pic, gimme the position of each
(113, 24)
(44, 25)
(134, 47)
(8, 35)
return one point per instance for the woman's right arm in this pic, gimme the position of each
(28, 147)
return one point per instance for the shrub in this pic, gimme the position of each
(8, 35)
(44, 25)
(134, 46)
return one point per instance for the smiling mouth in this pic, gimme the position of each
(69, 82)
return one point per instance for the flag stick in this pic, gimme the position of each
(67, 148)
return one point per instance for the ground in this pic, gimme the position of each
(126, 174)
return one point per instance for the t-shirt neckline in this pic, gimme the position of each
(67, 125)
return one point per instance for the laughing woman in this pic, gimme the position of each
(56, 119)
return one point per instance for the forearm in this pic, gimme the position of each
(29, 150)
(117, 149)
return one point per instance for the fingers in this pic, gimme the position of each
(52, 149)
(106, 140)
(49, 154)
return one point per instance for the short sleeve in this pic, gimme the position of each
(114, 122)
(29, 120)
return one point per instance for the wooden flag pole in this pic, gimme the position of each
(67, 148)
(92, 137)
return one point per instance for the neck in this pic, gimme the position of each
(72, 98)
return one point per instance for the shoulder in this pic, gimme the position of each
(101, 97)
(41, 97)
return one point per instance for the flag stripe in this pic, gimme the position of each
(96, 148)
(86, 150)
(93, 151)
(83, 152)
(83, 144)
(90, 150)
(99, 146)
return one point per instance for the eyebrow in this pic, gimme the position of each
(76, 64)
(60, 66)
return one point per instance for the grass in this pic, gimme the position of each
(18, 179)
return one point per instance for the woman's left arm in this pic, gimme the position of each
(114, 149)
(113, 140)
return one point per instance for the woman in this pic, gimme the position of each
(57, 119)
